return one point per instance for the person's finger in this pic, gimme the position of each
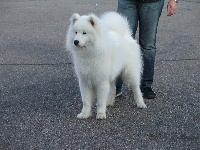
(169, 10)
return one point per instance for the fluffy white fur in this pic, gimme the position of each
(103, 49)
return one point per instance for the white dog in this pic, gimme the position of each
(103, 49)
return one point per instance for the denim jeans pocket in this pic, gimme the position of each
(152, 6)
(125, 4)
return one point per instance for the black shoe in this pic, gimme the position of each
(118, 93)
(148, 93)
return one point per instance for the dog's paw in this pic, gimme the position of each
(101, 116)
(141, 105)
(83, 115)
(110, 104)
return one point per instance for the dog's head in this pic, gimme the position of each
(83, 30)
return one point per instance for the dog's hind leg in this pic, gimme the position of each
(88, 96)
(102, 96)
(138, 96)
(133, 79)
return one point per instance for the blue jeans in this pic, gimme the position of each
(147, 14)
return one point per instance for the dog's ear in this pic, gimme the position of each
(93, 20)
(74, 18)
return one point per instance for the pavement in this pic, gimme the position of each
(39, 93)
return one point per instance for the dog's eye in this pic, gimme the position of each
(76, 32)
(84, 32)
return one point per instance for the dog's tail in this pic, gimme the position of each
(116, 22)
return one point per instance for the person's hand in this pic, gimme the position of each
(171, 8)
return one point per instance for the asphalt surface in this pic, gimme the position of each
(39, 93)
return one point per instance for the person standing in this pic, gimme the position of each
(145, 14)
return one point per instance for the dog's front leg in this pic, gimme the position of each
(87, 95)
(102, 96)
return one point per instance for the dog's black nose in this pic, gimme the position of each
(76, 42)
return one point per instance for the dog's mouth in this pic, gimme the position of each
(81, 46)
